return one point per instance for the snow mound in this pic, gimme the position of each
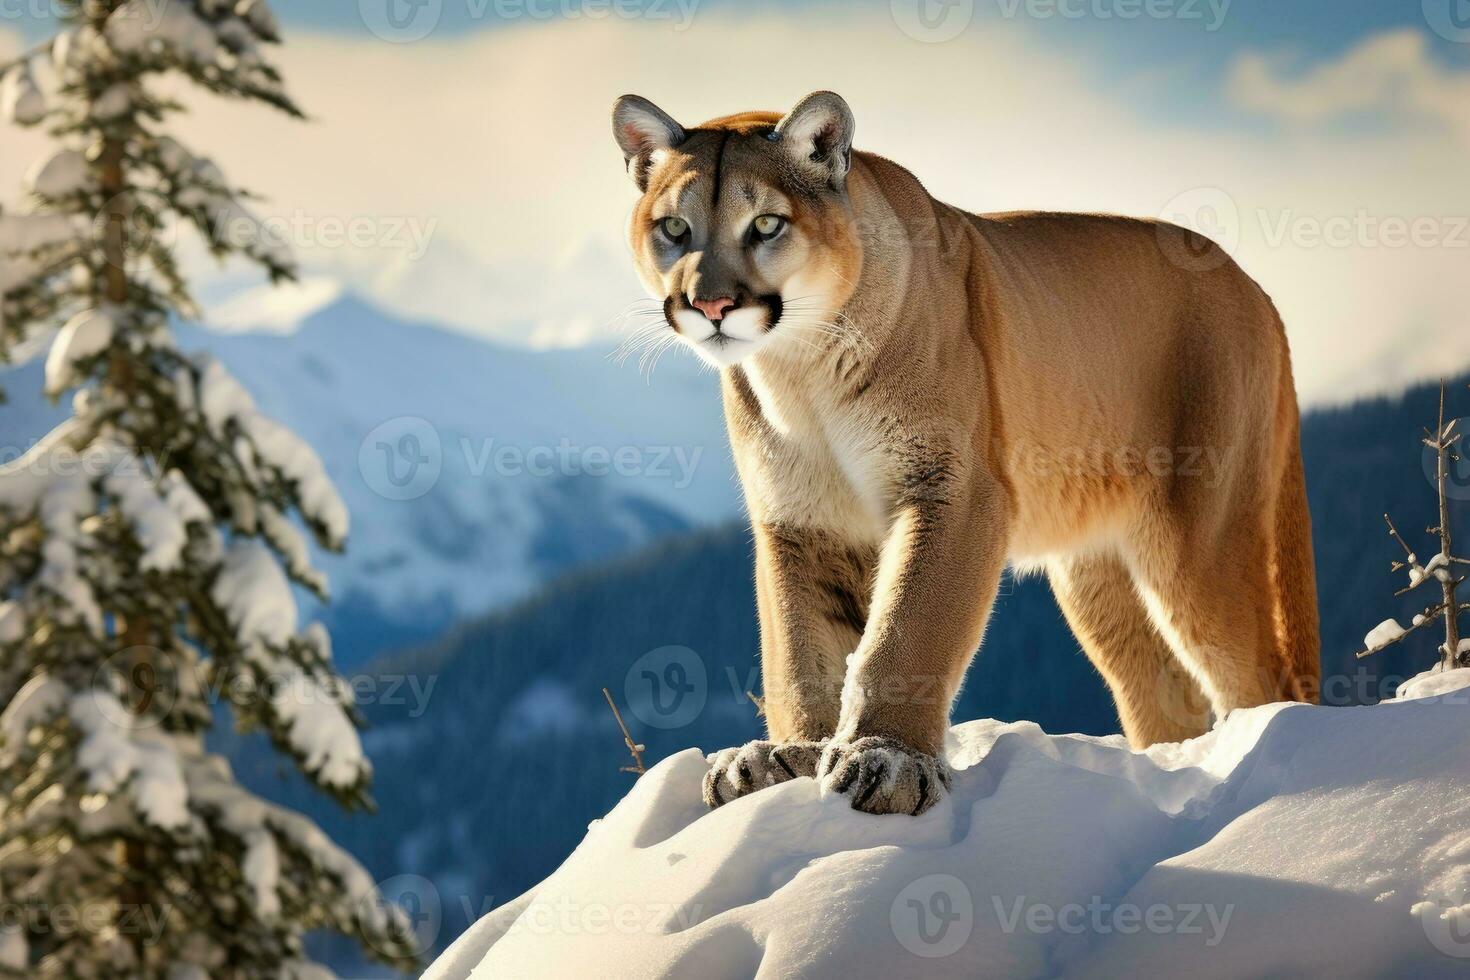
(1291, 840)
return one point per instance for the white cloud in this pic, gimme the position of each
(1392, 73)
(499, 142)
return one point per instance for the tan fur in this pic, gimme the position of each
(1105, 398)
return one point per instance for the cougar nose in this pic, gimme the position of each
(715, 309)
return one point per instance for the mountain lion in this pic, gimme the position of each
(917, 396)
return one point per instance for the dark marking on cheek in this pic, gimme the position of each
(774, 306)
(669, 312)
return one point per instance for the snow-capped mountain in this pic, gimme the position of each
(473, 471)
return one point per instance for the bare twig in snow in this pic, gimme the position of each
(634, 748)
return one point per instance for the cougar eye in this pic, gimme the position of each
(766, 227)
(674, 228)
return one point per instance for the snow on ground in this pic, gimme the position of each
(1292, 840)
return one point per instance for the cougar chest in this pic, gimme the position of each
(831, 457)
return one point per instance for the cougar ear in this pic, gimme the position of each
(818, 136)
(642, 129)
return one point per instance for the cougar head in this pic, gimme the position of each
(743, 230)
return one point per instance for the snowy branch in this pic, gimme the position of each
(1454, 650)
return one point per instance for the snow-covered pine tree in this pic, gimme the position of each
(147, 547)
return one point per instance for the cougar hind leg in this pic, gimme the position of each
(1157, 699)
(1205, 576)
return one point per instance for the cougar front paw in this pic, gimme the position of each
(755, 765)
(882, 775)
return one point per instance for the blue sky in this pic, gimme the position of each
(1171, 65)
(1180, 59)
(1313, 28)
(1319, 26)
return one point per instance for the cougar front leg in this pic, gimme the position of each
(812, 589)
(937, 578)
